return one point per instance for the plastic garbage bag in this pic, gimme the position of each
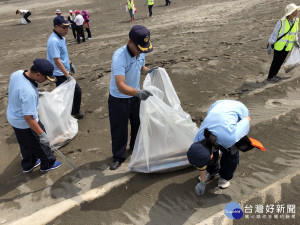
(23, 21)
(293, 60)
(166, 131)
(55, 113)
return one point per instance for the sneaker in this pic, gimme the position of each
(278, 77)
(38, 162)
(55, 166)
(208, 177)
(222, 183)
(273, 79)
(79, 115)
(89, 38)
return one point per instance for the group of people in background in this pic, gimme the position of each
(78, 23)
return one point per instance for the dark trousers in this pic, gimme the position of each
(120, 111)
(79, 30)
(32, 149)
(228, 164)
(168, 2)
(278, 59)
(150, 9)
(73, 26)
(131, 14)
(77, 94)
(26, 16)
(89, 32)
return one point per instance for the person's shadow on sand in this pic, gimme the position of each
(178, 202)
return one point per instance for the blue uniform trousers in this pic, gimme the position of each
(228, 164)
(120, 111)
(32, 149)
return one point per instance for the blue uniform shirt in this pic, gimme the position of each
(226, 119)
(124, 63)
(57, 48)
(23, 99)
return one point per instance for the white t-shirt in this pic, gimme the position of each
(23, 12)
(79, 20)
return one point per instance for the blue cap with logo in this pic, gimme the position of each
(45, 68)
(60, 20)
(198, 155)
(140, 35)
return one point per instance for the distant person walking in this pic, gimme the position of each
(79, 26)
(86, 24)
(57, 54)
(24, 13)
(58, 12)
(168, 2)
(284, 36)
(150, 6)
(130, 5)
(128, 63)
(22, 115)
(71, 18)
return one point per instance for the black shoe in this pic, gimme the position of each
(115, 165)
(79, 115)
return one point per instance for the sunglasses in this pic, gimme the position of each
(64, 27)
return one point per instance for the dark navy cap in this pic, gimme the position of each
(45, 68)
(198, 155)
(140, 35)
(60, 20)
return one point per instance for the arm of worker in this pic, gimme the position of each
(144, 70)
(127, 90)
(38, 130)
(123, 87)
(242, 128)
(61, 66)
(274, 35)
(33, 124)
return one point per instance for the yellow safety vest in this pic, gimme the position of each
(130, 4)
(289, 38)
(150, 2)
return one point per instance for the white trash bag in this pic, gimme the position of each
(166, 132)
(293, 60)
(23, 21)
(55, 113)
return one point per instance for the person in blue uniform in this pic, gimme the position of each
(22, 114)
(227, 122)
(128, 63)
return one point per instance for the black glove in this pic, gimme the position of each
(72, 68)
(151, 69)
(143, 94)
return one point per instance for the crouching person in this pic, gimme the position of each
(227, 122)
(22, 114)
